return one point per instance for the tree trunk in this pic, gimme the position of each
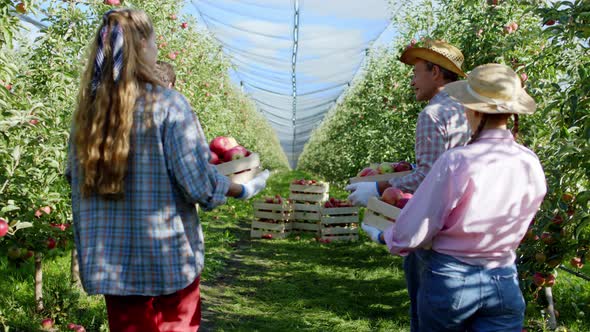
(552, 321)
(75, 269)
(39, 281)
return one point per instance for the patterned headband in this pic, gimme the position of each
(116, 42)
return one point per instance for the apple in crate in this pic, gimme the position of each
(391, 195)
(214, 159)
(237, 152)
(385, 168)
(402, 166)
(221, 144)
(403, 201)
(368, 171)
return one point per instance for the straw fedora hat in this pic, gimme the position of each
(438, 52)
(492, 88)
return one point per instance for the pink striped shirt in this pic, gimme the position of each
(475, 204)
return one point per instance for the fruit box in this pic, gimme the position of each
(317, 193)
(241, 170)
(306, 217)
(339, 223)
(273, 211)
(380, 214)
(271, 220)
(378, 178)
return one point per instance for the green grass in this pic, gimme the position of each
(269, 285)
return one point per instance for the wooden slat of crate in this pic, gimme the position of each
(378, 178)
(272, 215)
(278, 227)
(376, 220)
(244, 177)
(338, 211)
(308, 197)
(320, 188)
(339, 230)
(305, 226)
(340, 219)
(315, 216)
(231, 167)
(302, 207)
(285, 207)
(257, 234)
(352, 237)
(383, 208)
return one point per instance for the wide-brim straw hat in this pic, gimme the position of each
(492, 88)
(437, 52)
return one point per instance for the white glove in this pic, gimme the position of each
(373, 232)
(254, 186)
(361, 192)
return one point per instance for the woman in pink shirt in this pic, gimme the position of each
(467, 218)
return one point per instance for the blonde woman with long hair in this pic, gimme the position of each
(137, 165)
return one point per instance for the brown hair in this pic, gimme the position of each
(448, 75)
(492, 117)
(103, 120)
(165, 72)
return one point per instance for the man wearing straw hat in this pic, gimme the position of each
(441, 126)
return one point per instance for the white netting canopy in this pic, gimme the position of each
(295, 58)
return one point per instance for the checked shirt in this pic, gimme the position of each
(150, 242)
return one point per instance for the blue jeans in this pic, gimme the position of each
(412, 271)
(454, 296)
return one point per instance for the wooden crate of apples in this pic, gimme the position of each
(307, 196)
(233, 160)
(381, 212)
(339, 221)
(310, 191)
(382, 172)
(272, 218)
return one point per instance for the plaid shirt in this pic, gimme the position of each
(150, 242)
(442, 125)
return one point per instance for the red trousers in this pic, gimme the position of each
(178, 312)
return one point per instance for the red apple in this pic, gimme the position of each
(539, 279)
(403, 166)
(368, 171)
(46, 209)
(550, 280)
(112, 2)
(391, 195)
(524, 77)
(33, 121)
(557, 219)
(172, 17)
(172, 55)
(401, 203)
(267, 236)
(20, 8)
(8, 87)
(550, 22)
(221, 144)
(184, 25)
(3, 227)
(51, 243)
(214, 159)
(237, 152)
(577, 262)
(547, 238)
(47, 323)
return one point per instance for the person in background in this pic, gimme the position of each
(441, 126)
(166, 74)
(473, 209)
(137, 165)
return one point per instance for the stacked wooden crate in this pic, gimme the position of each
(271, 220)
(339, 223)
(307, 203)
